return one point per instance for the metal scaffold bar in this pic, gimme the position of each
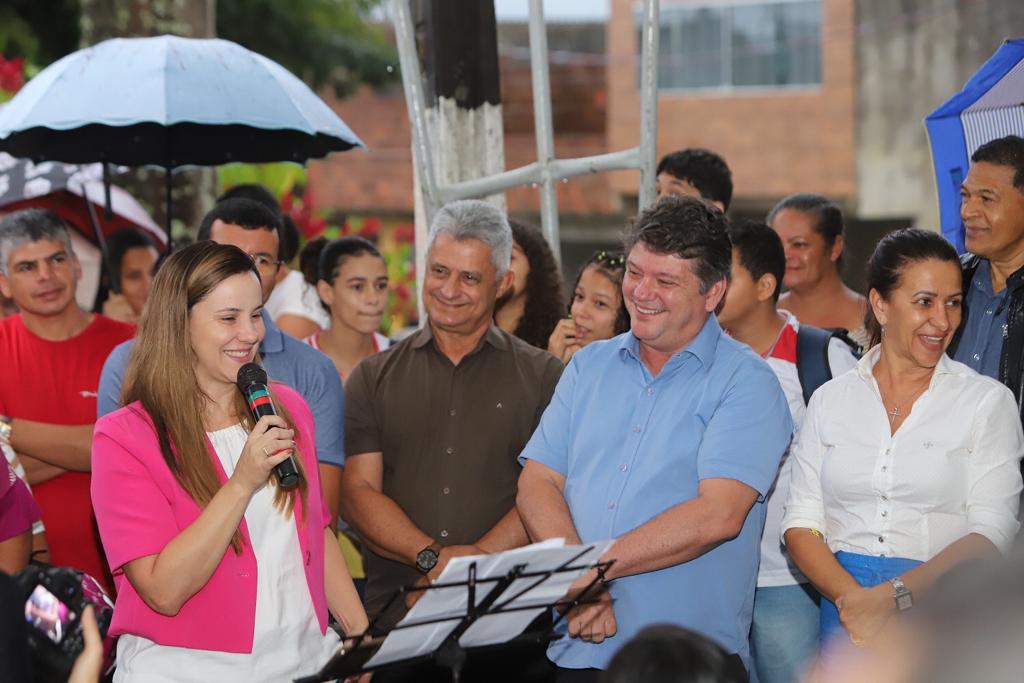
(547, 170)
(542, 125)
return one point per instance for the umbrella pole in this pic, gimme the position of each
(108, 210)
(167, 187)
(102, 242)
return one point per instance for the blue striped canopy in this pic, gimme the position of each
(990, 106)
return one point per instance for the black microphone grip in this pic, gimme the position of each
(252, 381)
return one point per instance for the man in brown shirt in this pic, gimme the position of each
(434, 425)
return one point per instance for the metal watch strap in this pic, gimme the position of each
(903, 598)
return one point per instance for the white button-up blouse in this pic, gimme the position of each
(951, 469)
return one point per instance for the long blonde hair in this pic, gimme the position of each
(161, 372)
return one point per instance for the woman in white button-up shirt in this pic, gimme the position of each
(908, 464)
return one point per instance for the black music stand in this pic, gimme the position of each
(450, 653)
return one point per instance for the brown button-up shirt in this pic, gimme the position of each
(449, 435)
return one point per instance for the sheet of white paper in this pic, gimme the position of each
(535, 591)
(450, 603)
(417, 637)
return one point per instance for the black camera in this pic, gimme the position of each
(54, 600)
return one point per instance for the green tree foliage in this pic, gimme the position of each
(323, 42)
(40, 31)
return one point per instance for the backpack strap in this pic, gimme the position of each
(812, 366)
(812, 358)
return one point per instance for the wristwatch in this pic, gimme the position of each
(426, 559)
(5, 429)
(903, 597)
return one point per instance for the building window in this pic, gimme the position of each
(749, 44)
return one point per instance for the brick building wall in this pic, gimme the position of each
(775, 140)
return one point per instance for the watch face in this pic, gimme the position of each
(426, 559)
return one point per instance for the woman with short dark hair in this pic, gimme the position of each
(811, 228)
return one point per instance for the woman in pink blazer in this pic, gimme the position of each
(220, 574)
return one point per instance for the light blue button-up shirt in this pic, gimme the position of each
(632, 446)
(981, 343)
(287, 360)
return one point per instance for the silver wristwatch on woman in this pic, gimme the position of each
(903, 598)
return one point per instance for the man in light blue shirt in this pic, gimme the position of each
(667, 439)
(253, 228)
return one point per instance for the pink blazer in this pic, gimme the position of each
(140, 508)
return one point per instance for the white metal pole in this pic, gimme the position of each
(542, 125)
(649, 104)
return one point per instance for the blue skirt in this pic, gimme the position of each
(868, 571)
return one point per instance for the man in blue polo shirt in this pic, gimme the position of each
(253, 228)
(665, 438)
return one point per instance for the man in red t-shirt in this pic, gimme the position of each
(53, 353)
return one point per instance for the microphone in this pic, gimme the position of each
(252, 381)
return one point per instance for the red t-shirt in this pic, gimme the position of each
(56, 382)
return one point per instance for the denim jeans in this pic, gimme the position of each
(868, 571)
(784, 632)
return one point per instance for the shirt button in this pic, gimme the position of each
(244, 575)
(988, 312)
(444, 533)
(623, 468)
(888, 451)
(881, 539)
(452, 412)
(977, 357)
(650, 391)
(611, 505)
(636, 428)
(446, 490)
(885, 468)
(885, 498)
(449, 450)
(884, 513)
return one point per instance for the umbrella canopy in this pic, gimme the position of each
(169, 101)
(990, 106)
(70, 205)
(63, 188)
(21, 179)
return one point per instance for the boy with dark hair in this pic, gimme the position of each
(784, 632)
(695, 172)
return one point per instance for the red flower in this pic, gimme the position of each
(371, 227)
(405, 232)
(11, 74)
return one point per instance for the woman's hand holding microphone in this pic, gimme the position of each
(270, 443)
